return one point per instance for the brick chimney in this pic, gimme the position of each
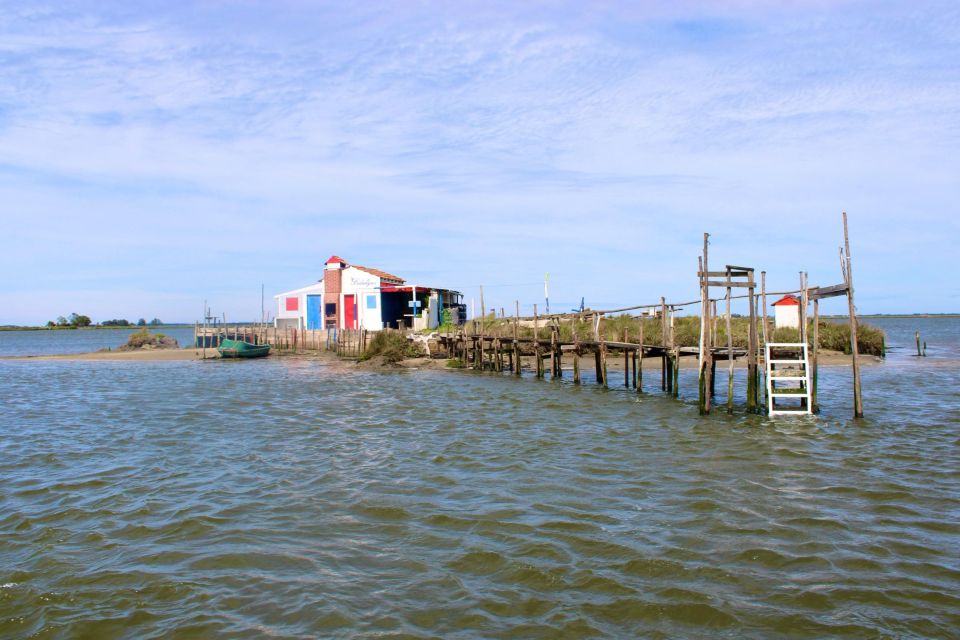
(332, 288)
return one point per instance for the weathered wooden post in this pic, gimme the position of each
(626, 361)
(854, 346)
(576, 355)
(516, 338)
(814, 407)
(663, 342)
(767, 333)
(559, 352)
(638, 368)
(536, 343)
(483, 317)
(753, 375)
(705, 383)
(729, 349)
(603, 353)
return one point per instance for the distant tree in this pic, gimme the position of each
(77, 320)
(62, 322)
(118, 322)
(51, 324)
(156, 322)
(141, 322)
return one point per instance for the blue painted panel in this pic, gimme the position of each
(314, 318)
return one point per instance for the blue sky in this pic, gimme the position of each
(156, 154)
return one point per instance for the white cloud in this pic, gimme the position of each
(473, 143)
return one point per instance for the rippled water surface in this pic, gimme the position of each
(297, 498)
(35, 343)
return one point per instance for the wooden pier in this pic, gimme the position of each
(641, 332)
(500, 343)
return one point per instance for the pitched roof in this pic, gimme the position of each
(787, 300)
(377, 272)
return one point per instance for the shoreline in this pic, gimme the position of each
(144, 355)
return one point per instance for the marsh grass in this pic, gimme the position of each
(686, 330)
(392, 346)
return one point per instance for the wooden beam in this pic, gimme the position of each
(818, 293)
(742, 285)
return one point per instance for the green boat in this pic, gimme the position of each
(239, 349)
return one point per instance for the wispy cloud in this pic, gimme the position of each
(463, 143)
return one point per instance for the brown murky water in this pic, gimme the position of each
(297, 499)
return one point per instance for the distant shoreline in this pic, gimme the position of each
(880, 316)
(96, 327)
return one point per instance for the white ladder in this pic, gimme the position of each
(794, 370)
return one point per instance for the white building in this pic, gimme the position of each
(787, 312)
(355, 297)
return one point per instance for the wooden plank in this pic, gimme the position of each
(742, 285)
(818, 293)
(723, 274)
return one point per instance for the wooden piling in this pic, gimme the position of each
(576, 355)
(483, 317)
(814, 407)
(729, 350)
(626, 361)
(705, 368)
(753, 376)
(676, 372)
(536, 343)
(638, 369)
(663, 342)
(854, 346)
(516, 338)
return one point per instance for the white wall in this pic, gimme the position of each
(297, 318)
(362, 284)
(787, 315)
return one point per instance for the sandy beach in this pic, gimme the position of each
(145, 355)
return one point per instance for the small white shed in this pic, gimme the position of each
(787, 312)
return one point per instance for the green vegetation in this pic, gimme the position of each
(74, 321)
(392, 346)
(115, 323)
(686, 331)
(145, 340)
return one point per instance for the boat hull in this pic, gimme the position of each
(240, 349)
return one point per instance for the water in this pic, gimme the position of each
(36, 343)
(296, 498)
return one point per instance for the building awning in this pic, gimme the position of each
(392, 288)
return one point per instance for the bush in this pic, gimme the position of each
(142, 338)
(392, 346)
(138, 339)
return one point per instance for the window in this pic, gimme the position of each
(293, 304)
(371, 302)
(330, 309)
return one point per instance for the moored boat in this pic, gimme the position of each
(239, 349)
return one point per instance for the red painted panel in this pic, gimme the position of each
(350, 311)
(293, 304)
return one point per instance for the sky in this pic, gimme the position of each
(154, 155)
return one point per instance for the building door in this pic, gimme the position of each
(350, 311)
(314, 319)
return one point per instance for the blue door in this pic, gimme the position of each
(314, 319)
